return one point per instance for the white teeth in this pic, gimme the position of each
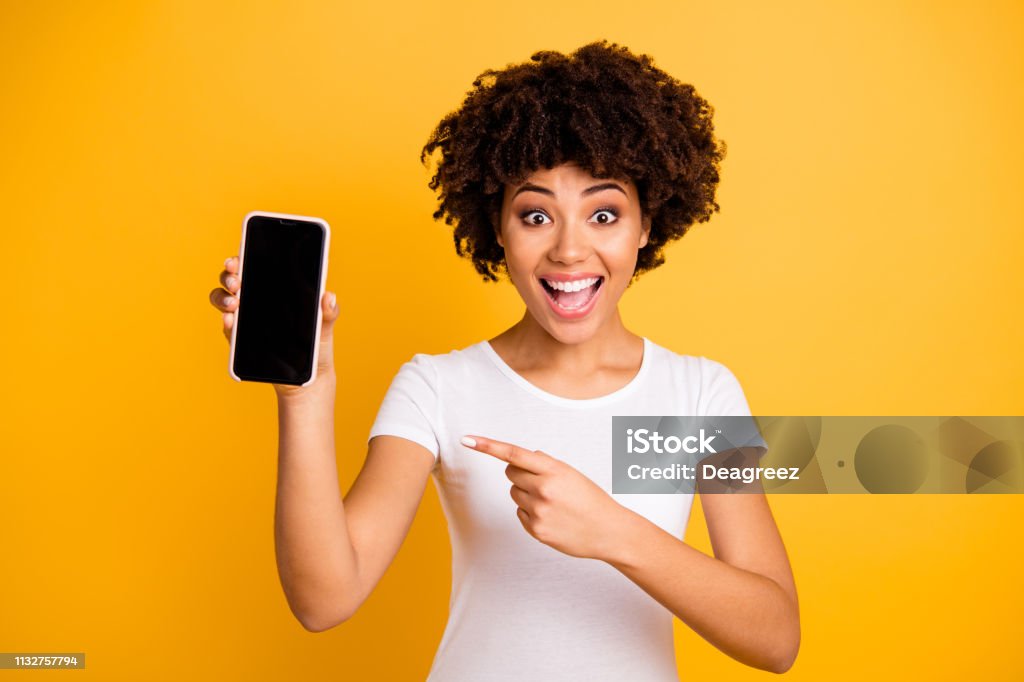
(575, 285)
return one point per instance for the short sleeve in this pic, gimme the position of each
(722, 396)
(410, 407)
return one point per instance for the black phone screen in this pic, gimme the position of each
(279, 300)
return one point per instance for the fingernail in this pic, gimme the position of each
(334, 302)
(229, 300)
(228, 261)
(468, 442)
(230, 281)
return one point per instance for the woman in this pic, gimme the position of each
(569, 174)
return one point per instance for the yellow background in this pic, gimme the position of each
(866, 261)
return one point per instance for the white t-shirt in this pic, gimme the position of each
(519, 609)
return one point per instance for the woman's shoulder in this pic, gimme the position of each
(452, 362)
(712, 385)
(664, 354)
(691, 365)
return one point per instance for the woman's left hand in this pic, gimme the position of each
(557, 504)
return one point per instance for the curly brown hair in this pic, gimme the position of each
(611, 111)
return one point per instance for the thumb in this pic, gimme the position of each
(329, 304)
(330, 316)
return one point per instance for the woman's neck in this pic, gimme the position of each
(527, 346)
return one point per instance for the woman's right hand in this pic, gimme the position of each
(225, 299)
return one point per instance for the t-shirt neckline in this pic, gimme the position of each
(517, 378)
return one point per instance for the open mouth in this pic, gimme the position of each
(574, 295)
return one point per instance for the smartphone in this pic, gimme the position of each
(283, 269)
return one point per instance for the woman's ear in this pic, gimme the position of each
(496, 226)
(497, 235)
(645, 231)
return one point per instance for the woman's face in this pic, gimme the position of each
(571, 243)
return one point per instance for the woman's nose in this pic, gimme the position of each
(570, 243)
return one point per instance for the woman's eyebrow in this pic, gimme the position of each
(530, 187)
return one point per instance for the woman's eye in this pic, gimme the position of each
(535, 218)
(606, 216)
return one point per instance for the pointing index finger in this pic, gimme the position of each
(507, 452)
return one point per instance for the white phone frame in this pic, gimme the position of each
(320, 291)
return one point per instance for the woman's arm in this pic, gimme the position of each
(316, 560)
(331, 553)
(743, 600)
